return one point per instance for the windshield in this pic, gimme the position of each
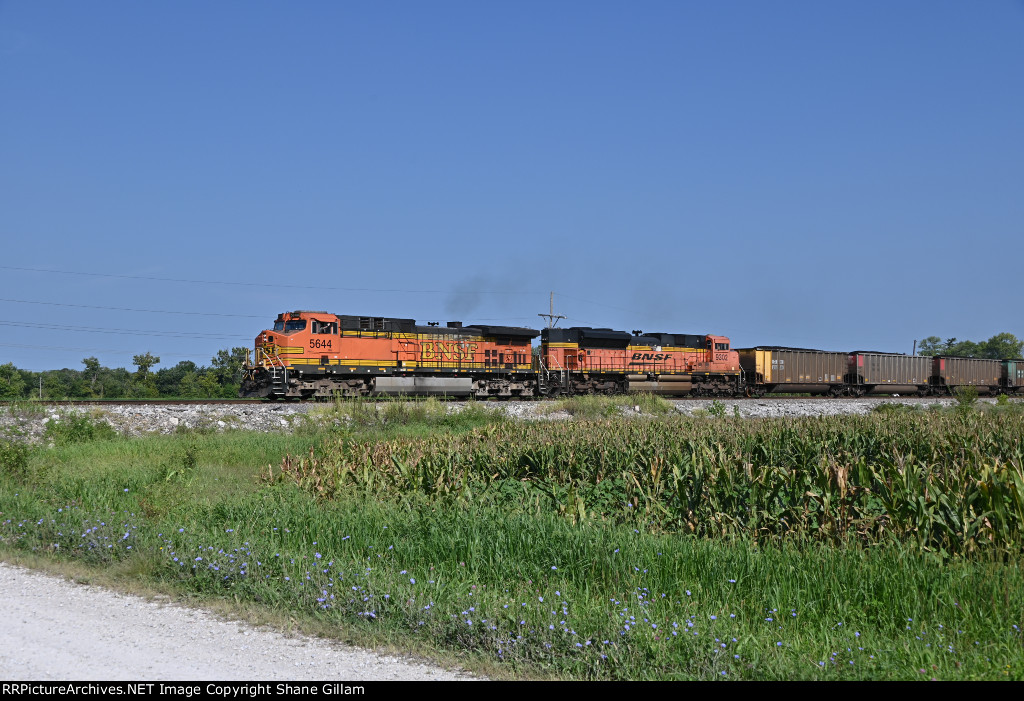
(278, 326)
(299, 325)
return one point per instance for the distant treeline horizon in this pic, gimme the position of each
(220, 379)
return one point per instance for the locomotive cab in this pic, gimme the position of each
(720, 353)
(312, 335)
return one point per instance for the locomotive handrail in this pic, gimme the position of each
(263, 357)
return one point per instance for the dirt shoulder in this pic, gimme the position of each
(54, 630)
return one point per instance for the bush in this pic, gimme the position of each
(717, 409)
(887, 409)
(78, 428)
(14, 459)
(966, 396)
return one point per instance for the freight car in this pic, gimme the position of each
(949, 373)
(1012, 376)
(888, 373)
(793, 370)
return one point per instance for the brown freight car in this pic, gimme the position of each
(796, 370)
(948, 373)
(888, 373)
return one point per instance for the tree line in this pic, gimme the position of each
(1002, 345)
(220, 379)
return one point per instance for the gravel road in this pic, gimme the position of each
(56, 630)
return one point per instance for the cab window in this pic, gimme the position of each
(721, 346)
(325, 327)
(278, 325)
(292, 326)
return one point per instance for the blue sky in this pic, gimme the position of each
(818, 174)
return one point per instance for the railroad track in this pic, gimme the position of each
(122, 402)
(237, 402)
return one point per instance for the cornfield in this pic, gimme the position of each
(950, 483)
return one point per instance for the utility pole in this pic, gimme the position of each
(552, 317)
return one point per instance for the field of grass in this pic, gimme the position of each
(667, 548)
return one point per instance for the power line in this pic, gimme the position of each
(279, 285)
(262, 284)
(86, 350)
(130, 309)
(130, 332)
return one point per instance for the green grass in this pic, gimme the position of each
(414, 572)
(376, 419)
(603, 407)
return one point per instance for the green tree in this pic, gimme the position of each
(209, 387)
(189, 385)
(61, 384)
(930, 346)
(226, 369)
(963, 349)
(1002, 345)
(144, 362)
(12, 384)
(114, 383)
(143, 384)
(168, 380)
(92, 373)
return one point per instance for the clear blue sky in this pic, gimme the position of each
(837, 175)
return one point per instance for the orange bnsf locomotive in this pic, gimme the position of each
(582, 360)
(321, 355)
(317, 355)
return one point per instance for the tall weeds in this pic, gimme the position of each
(949, 483)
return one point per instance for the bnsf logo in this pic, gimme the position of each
(651, 356)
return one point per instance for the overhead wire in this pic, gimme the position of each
(115, 351)
(201, 313)
(67, 328)
(153, 278)
(96, 329)
(289, 286)
(132, 309)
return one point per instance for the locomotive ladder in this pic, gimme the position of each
(278, 381)
(562, 379)
(278, 372)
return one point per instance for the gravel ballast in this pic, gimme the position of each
(135, 420)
